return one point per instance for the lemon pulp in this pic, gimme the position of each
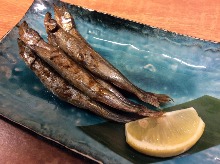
(169, 135)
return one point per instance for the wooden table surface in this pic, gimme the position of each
(197, 18)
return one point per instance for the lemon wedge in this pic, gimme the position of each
(169, 135)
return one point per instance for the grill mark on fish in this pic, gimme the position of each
(75, 74)
(102, 82)
(71, 41)
(62, 89)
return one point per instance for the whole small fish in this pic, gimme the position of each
(75, 74)
(77, 47)
(110, 87)
(62, 89)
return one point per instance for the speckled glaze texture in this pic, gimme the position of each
(155, 60)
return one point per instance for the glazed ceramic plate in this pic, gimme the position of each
(159, 61)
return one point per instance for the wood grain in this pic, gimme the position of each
(11, 12)
(197, 18)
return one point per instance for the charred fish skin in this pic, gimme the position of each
(59, 87)
(110, 87)
(82, 52)
(75, 74)
(66, 21)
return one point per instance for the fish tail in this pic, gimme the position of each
(152, 98)
(149, 98)
(162, 98)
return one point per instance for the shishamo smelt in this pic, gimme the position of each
(75, 74)
(70, 40)
(62, 89)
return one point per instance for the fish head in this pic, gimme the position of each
(63, 18)
(49, 23)
(26, 53)
(28, 35)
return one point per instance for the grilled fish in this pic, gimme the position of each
(62, 89)
(75, 74)
(110, 87)
(76, 46)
